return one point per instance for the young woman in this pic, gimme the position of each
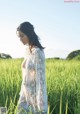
(33, 93)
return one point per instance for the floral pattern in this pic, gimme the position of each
(33, 89)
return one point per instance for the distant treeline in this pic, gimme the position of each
(72, 55)
(5, 56)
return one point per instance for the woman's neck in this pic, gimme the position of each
(30, 47)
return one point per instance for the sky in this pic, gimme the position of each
(56, 22)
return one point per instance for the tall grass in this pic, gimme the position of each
(63, 82)
(63, 85)
(10, 81)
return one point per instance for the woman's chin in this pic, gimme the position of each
(24, 43)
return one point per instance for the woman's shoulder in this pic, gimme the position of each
(37, 50)
(39, 53)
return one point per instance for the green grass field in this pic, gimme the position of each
(63, 85)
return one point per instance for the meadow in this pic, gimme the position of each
(63, 85)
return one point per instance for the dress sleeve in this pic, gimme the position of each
(41, 93)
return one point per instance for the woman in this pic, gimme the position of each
(33, 94)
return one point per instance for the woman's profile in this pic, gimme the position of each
(33, 93)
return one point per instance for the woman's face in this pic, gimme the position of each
(23, 38)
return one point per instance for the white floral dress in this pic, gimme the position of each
(33, 93)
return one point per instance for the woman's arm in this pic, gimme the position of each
(41, 93)
(23, 63)
(23, 67)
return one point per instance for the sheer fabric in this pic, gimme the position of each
(33, 93)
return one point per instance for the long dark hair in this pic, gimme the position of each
(28, 29)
